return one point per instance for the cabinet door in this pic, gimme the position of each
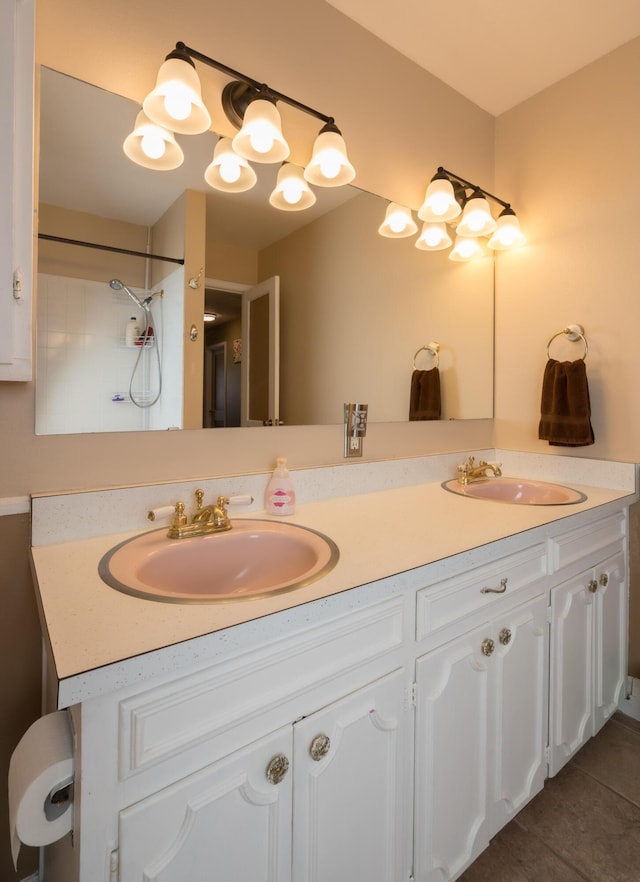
(572, 666)
(451, 825)
(610, 643)
(226, 822)
(518, 717)
(351, 767)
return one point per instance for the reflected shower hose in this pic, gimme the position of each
(149, 322)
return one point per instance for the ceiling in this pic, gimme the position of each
(498, 53)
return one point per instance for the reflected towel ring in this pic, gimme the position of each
(573, 333)
(433, 348)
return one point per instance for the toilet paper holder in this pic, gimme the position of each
(59, 799)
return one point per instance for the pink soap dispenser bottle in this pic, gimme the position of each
(280, 496)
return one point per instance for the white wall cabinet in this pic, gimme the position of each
(17, 29)
(322, 800)
(588, 656)
(480, 736)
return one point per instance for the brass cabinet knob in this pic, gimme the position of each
(604, 579)
(487, 646)
(277, 768)
(505, 636)
(592, 586)
(319, 747)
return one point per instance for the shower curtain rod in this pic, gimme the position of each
(110, 248)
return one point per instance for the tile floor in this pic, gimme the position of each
(584, 826)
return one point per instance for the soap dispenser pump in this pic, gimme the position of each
(280, 496)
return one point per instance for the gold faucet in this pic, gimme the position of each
(212, 519)
(469, 471)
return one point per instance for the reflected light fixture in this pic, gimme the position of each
(447, 197)
(175, 105)
(465, 248)
(398, 222)
(227, 171)
(152, 146)
(209, 317)
(434, 237)
(291, 193)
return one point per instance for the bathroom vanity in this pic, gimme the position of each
(382, 723)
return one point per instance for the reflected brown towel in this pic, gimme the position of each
(424, 403)
(565, 411)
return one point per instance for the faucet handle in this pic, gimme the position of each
(179, 518)
(237, 500)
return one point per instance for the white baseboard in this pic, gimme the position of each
(630, 702)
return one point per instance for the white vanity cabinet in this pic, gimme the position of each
(322, 800)
(588, 637)
(481, 719)
(384, 733)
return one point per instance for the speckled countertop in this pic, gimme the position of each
(91, 627)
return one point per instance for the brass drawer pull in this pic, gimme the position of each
(487, 646)
(592, 586)
(277, 768)
(319, 747)
(604, 579)
(500, 590)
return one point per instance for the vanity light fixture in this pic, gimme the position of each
(508, 233)
(175, 104)
(398, 222)
(447, 197)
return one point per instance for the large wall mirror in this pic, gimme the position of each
(355, 310)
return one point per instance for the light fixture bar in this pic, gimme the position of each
(254, 84)
(469, 185)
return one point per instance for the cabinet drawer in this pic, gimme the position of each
(445, 602)
(219, 706)
(587, 544)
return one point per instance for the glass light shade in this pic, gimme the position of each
(152, 146)
(508, 233)
(398, 222)
(434, 237)
(440, 203)
(476, 218)
(228, 171)
(260, 139)
(291, 193)
(329, 165)
(465, 248)
(176, 100)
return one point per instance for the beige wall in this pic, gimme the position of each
(90, 263)
(568, 158)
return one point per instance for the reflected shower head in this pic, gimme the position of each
(117, 285)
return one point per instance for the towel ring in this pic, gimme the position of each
(433, 348)
(573, 333)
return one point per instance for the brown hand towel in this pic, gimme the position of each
(424, 403)
(565, 411)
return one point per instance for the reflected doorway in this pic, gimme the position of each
(222, 364)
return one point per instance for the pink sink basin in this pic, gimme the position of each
(254, 559)
(520, 491)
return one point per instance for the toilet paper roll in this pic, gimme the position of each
(41, 762)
